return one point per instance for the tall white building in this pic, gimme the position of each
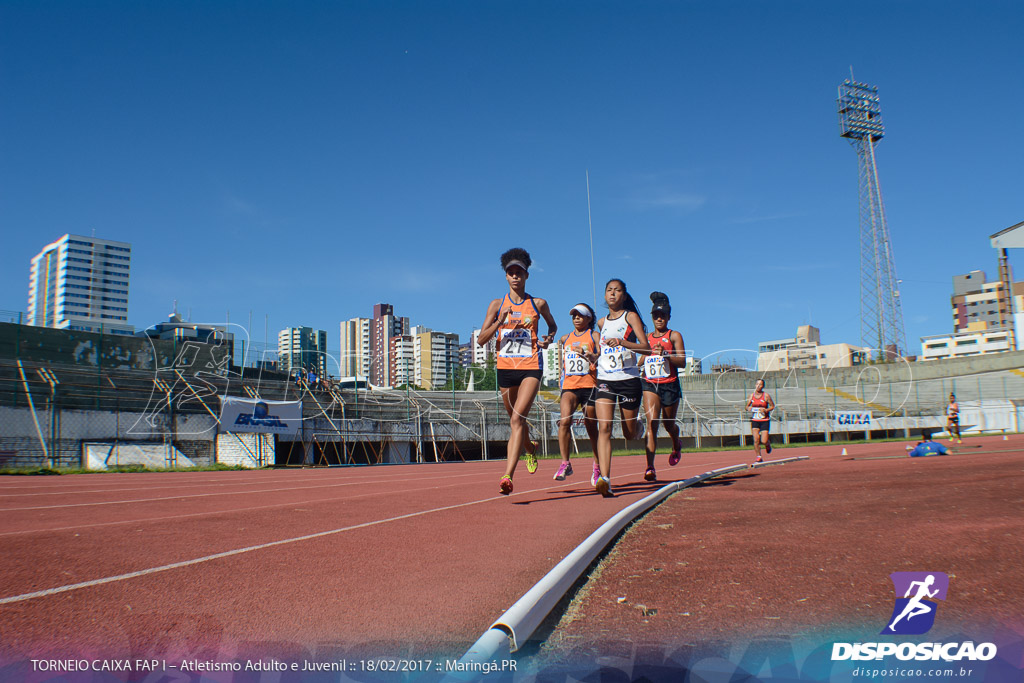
(435, 356)
(81, 283)
(482, 353)
(355, 347)
(302, 348)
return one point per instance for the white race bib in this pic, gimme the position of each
(576, 365)
(757, 414)
(515, 343)
(656, 367)
(614, 358)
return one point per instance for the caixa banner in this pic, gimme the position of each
(853, 419)
(256, 415)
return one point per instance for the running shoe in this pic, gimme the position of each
(604, 487)
(564, 470)
(759, 459)
(595, 475)
(505, 486)
(650, 475)
(531, 463)
(959, 440)
(768, 448)
(673, 458)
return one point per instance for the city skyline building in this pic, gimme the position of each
(435, 356)
(81, 283)
(302, 348)
(384, 326)
(355, 347)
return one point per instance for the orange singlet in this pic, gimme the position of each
(577, 371)
(517, 336)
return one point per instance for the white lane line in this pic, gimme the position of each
(211, 513)
(262, 546)
(219, 493)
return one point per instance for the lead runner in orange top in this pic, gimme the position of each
(514, 318)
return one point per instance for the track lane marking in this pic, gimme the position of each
(262, 546)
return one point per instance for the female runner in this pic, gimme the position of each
(515, 319)
(618, 378)
(953, 419)
(579, 378)
(661, 382)
(760, 405)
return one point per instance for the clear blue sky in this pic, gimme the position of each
(306, 160)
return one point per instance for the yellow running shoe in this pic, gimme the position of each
(531, 463)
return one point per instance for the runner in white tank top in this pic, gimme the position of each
(618, 377)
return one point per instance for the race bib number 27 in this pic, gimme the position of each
(515, 343)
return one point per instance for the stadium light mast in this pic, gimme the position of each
(881, 314)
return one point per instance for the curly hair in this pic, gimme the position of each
(516, 254)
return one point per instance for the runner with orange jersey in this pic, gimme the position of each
(661, 382)
(579, 351)
(515, 320)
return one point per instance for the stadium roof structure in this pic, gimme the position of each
(1011, 238)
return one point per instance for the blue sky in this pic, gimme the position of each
(302, 161)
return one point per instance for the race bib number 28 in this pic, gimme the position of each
(576, 364)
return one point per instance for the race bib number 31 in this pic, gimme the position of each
(515, 343)
(616, 358)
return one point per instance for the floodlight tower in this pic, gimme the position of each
(881, 315)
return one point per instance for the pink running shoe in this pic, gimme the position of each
(564, 470)
(596, 475)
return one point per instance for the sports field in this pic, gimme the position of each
(417, 561)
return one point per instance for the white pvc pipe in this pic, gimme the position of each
(519, 622)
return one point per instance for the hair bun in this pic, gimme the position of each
(659, 297)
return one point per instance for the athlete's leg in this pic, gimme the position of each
(605, 413)
(590, 424)
(668, 421)
(568, 407)
(757, 442)
(652, 409)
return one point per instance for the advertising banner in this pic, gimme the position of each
(257, 415)
(853, 419)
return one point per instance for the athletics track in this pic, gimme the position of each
(419, 560)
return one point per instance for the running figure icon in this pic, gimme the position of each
(919, 591)
(915, 607)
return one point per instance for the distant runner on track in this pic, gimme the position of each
(760, 405)
(953, 419)
(515, 318)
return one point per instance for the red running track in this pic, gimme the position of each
(402, 560)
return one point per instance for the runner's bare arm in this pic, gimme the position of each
(542, 307)
(491, 323)
(678, 357)
(641, 345)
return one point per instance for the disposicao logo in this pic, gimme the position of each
(914, 614)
